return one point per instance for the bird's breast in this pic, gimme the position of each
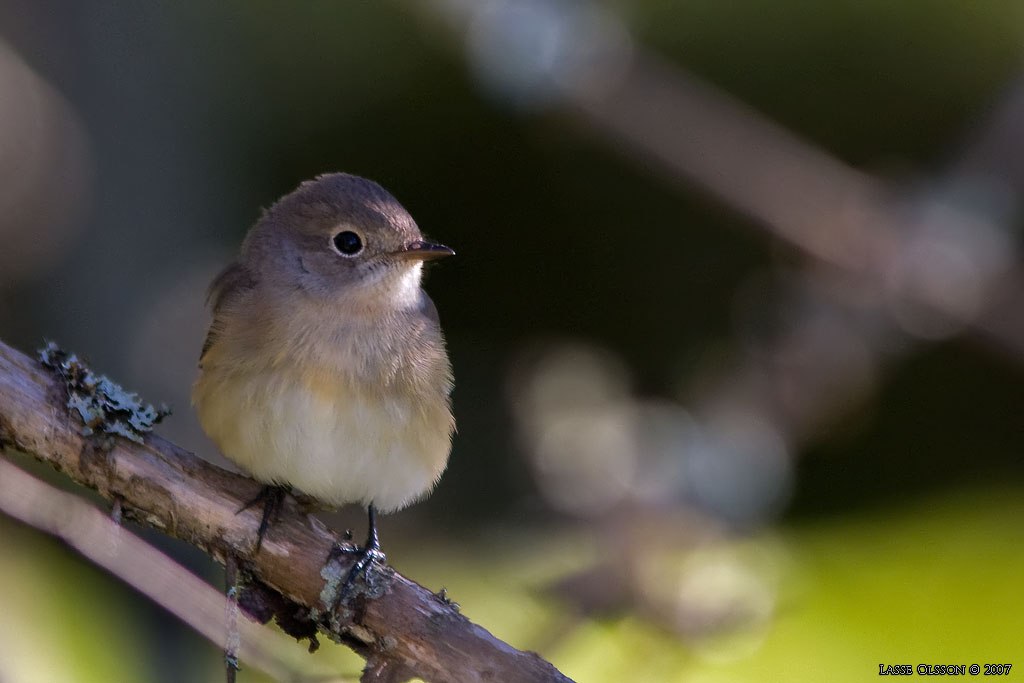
(345, 419)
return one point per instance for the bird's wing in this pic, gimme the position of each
(231, 282)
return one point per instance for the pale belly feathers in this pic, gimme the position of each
(334, 441)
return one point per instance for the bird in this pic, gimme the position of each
(325, 368)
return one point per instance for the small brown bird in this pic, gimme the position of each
(325, 367)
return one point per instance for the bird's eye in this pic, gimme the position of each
(348, 243)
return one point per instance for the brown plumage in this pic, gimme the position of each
(324, 367)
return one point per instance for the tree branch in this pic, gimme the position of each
(400, 627)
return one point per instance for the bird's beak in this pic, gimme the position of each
(423, 251)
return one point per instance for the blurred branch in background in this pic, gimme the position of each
(46, 170)
(402, 629)
(941, 256)
(106, 543)
(577, 56)
(884, 268)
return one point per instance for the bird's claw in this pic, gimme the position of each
(272, 499)
(368, 558)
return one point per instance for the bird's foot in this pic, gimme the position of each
(368, 558)
(272, 499)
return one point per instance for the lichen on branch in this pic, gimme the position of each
(103, 405)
